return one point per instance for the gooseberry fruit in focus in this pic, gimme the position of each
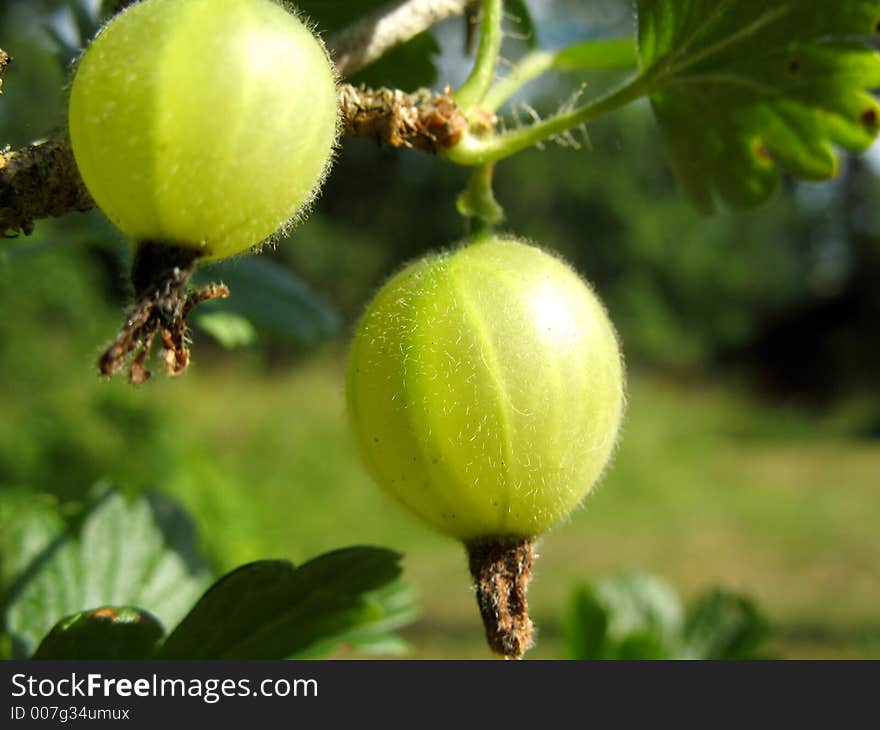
(203, 123)
(485, 390)
(201, 128)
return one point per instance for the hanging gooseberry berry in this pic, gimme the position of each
(201, 128)
(485, 391)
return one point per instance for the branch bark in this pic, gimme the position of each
(42, 180)
(423, 120)
(39, 181)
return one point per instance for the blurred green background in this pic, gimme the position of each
(750, 456)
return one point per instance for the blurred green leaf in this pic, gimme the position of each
(29, 525)
(270, 298)
(110, 7)
(586, 625)
(642, 645)
(639, 604)
(86, 19)
(518, 10)
(724, 625)
(65, 51)
(639, 616)
(229, 329)
(743, 85)
(71, 31)
(127, 553)
(611, 54)
(626, 616)
(103, 633)
(272, 610)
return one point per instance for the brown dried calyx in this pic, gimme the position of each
(161, 276)
(421, 120)
(4, 61)
(502, 568)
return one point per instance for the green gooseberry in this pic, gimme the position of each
(206, 124)
(485, 390)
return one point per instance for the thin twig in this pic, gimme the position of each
(373, 36)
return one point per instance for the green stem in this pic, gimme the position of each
(477, 203)
(532, 65)
(607, 54)
(480, 151)
(482, 75)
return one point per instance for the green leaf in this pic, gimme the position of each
(103, 633)
(742, 86)
(390, 608)
(271, 298)
(86, 18)
(28, 526)
(724, 625)
(81, 21)
(641, 645)
(639, 605)
(229, 329)
(626, 616)
(272, 610)
(610, 54)
(524, 26)
(127, 553)
(586, 626)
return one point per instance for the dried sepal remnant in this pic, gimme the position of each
(161, 275)
(39, 181)
(4, 62)
(501, 569)
(422, 120)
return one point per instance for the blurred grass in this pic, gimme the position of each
(695, 494)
